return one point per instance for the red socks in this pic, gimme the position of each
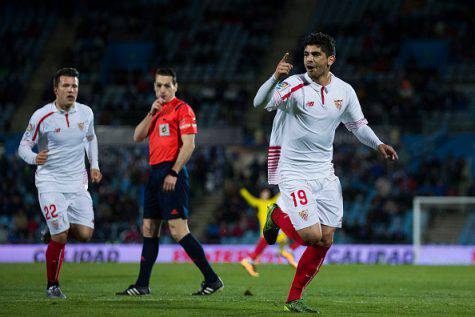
(308, 267)
(54, 260)
(283, 221)
(261, 245)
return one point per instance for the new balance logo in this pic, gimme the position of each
(174, 212)
(310, 104)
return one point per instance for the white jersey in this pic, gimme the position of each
(64, 135)
(310, 115)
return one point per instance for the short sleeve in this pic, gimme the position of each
(186, 120)
(353, 116)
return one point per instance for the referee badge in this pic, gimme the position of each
(164, 129)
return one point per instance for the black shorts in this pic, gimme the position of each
(159, 204)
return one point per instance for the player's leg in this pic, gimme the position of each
(249, 263)
(300, 220)
(310, 263)
(151, 225)
(80, 215)
(174, 209)
(151, 235)
(54, 208)
(80, 232)
(180, 232)
(330, 212)
(283, 241)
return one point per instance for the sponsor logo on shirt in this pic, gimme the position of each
(81, 126)
(29, 128)
(338, 103)
(310, 104)
(164, 129)
(304, 214)
(57, 130)
(282, 85)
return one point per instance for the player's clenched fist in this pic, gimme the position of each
(96, 175)
(42, 157)
(283, 68)
(157, 106)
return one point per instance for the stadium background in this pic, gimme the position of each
(410, 62)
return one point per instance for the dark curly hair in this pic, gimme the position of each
(324, 41)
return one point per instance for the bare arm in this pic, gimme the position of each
(141, 130)
(183, 156)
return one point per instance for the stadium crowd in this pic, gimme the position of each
(378, 196)
(215, 48)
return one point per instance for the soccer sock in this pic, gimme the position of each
(54, 261)
(283, 221)
(308, 267)
(261, 245)
(294, 246)
(196, 253)
(147, 260)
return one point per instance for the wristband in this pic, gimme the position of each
(172, 173)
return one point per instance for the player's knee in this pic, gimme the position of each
(311, 238)
(177, 233)
(178, 230)
(84, 237)
(60, 237)
(148, 230)
(326, 241)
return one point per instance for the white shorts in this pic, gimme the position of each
(61, 209)
(308, 202)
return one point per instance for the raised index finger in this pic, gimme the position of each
(284, 59)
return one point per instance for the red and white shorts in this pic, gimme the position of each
(62, 209)
(308, 202)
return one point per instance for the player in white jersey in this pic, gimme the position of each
(310, 107)
(63, 130)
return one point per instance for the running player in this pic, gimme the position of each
(261, 204)
(311, 106)
(60, 129)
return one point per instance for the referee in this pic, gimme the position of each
(171, 128)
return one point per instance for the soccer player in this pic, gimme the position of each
(310, 107)
(261, 204)
(61, 129)
(171, 127)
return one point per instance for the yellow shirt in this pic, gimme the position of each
(260, 204)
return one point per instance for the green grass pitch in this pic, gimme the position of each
(338, 290)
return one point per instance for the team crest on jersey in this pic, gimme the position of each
(304, 214)
(338, 103)
(282, 85)
(55, 224)
(164, 129)
(81, 126)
